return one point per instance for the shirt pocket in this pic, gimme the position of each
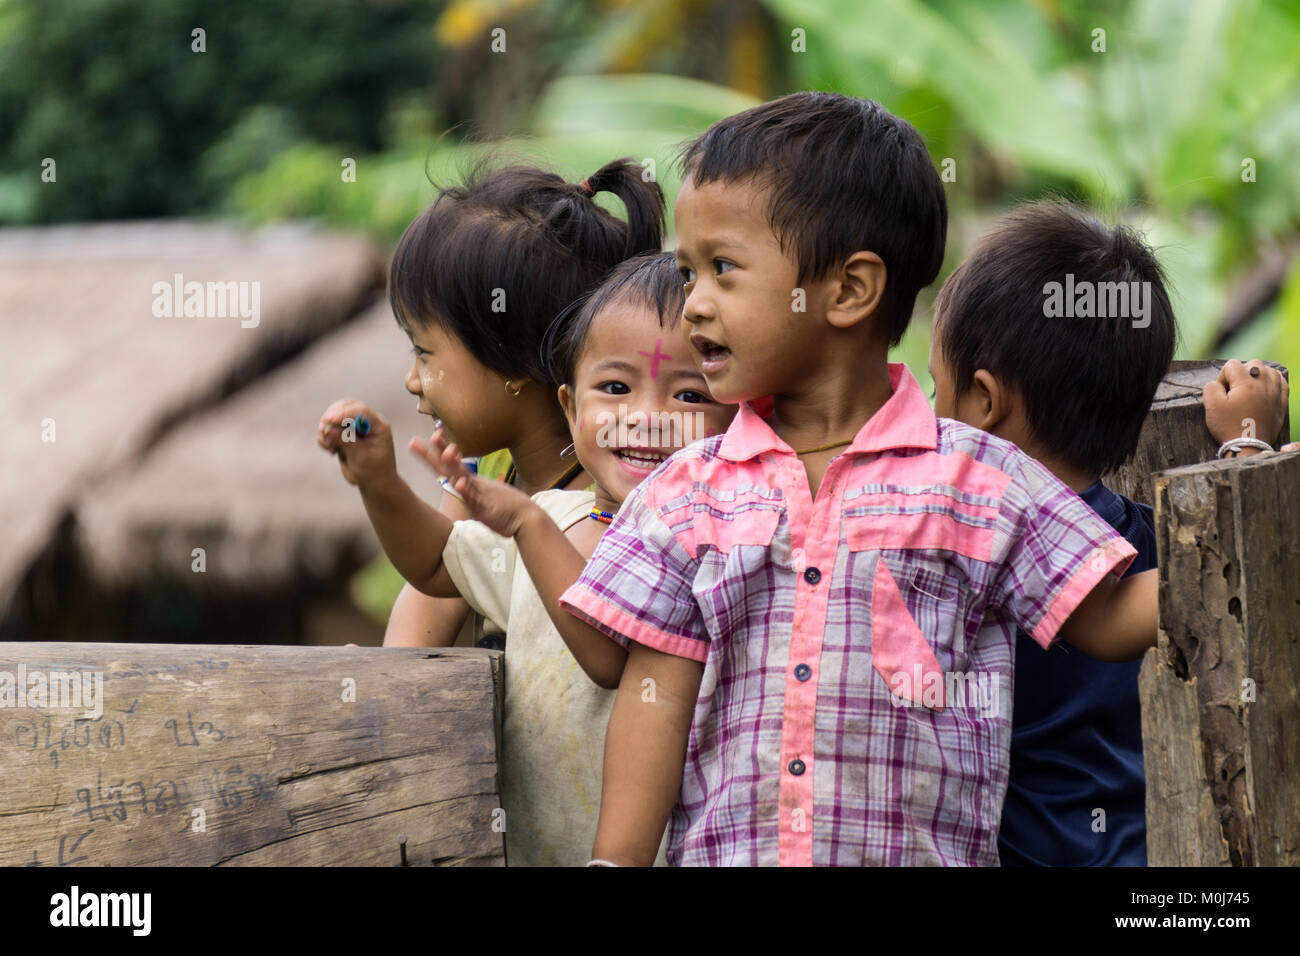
(920, 595)
(900, 652)
(734, 542)
(748, 520)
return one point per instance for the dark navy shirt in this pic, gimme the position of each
(1076, 738)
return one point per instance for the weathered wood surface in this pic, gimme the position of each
(286, 771)
(1220, 698)
(1174, 434)
(246, 481)
(84, 350)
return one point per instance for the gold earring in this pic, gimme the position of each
(512, 391)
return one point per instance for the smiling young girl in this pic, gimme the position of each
(632, 396)
(475, 281)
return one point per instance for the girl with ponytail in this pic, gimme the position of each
(475, 282)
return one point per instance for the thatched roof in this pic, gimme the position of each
(246, 481)
(84, 348)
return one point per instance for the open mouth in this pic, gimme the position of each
(641, 459)
(712, 355)
(437, 421)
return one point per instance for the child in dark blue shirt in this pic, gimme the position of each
(1054, 334)
(1076, 738)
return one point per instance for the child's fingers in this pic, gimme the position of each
(1273, 380)
(329, 438)
(438, 442)
(353, 412)
(1232, 374)
(430, 454)
(343, 408)
(453, 465)
(1236, 373)
(425, 453)
(1214, 392)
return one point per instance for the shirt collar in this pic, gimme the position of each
(905, 421)
(1108, 505)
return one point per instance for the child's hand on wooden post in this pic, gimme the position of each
(361, 439)
(496, 504)
(1246, 401)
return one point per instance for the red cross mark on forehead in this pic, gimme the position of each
(655, 358)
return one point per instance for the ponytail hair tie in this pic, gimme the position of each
(586, 188)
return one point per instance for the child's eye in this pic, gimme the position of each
(934, 392)
(417, 351)
(722, 266)
(688, 275)
(613, 388)
(692, 397)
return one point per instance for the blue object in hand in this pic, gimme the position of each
(362, 426)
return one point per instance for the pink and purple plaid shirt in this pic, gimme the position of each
(855, 706)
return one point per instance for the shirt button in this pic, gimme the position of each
(812, 575)
(803, 672)
(796, 767)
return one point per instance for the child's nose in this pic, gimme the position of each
(698, 306)
(413, 379)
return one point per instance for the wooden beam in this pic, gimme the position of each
(1220, 705)
(239, 755)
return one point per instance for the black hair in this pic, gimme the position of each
(845, 176)
(649, 281)
(1087, 383)
(494, 260)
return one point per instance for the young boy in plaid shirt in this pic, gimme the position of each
(820, 608)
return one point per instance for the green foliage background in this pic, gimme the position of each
(143, 126)
(1154, 128)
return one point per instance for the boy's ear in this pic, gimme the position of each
(857, 290)
(993, 402)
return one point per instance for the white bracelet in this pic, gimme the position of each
(602, 863)
(1237, 444)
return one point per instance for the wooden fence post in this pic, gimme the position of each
(1220, 705)
(236, 755)
(1209, 752)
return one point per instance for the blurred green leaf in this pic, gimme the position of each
(375, 587)
(580, 123)
(990, 82)
(587, 105)
(1288, 341)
